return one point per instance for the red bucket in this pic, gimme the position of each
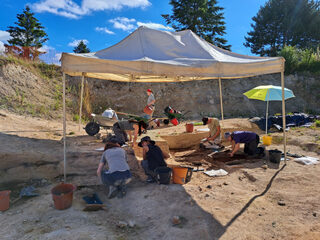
(189, 127)
(4, 200)
(62, 195)
(174, 121)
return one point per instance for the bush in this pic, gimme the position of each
(298, 60)
(317, 123)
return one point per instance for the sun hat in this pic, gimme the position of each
(149, 90)
(144, 139)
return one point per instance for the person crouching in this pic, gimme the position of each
(250, 139)
(118, 173)
(153, 158)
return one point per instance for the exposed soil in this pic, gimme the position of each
(256, 200)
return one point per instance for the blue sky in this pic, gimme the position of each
(102, 23)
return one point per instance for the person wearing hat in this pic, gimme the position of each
(213, 139)
(118, 173)
(250, 140)
(151, 101)
(153, 157)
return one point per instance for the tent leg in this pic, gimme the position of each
(64, 127)
(81, 101)
(284, 119)
(221, 103)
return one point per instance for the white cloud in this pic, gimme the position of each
(124, 23)
(103, 29)
(2, 48)
(154, 25)
(51, 56)
(75, 43)
(4, 35)
(70, 9)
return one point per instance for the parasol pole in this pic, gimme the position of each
(268, 93)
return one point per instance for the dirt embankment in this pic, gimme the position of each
(30, 88)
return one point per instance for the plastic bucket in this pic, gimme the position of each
(267, 140)
(62, 195)
(189, 127)
(147, 110)
(181, 175)
(163, 175)
(275, 156)
(4, 200)
(174, 121)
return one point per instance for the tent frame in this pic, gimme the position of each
(221, 107)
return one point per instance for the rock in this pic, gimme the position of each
(281, 203)
(259, 214)
(225, 183)
(209, 186)
(131, 223)
(122, 224)
(200, 189)
(207, 195)
(314, 214)
(274, 224)
(232, 193)
(176, 220)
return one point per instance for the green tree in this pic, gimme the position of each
(203, 17)
(28, 32)
(281, 23)
(81, 48)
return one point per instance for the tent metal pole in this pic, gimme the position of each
(64, 127)
(284, 118)
(221, 103)
(267, 112)
(81, 100)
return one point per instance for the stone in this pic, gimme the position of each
(176, 220)
(225, 183)
(131, 223)
(314, 214)
(281, 203)
(209, 186)
(122, 224)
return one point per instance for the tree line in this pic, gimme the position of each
(277, 26)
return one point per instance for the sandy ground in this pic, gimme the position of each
(256, 200)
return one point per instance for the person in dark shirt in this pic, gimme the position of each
(153, 157)
(250, 140)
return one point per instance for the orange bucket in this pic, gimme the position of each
(62, 195)
(267, 140)
(181, 175)
(4, 200)
(147, 110)
(189, 127)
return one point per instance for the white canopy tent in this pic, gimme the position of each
(149, 55)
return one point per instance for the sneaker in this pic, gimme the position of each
(113, 191)
(150, 180)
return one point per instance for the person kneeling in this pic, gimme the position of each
(250, 140)
(118, 173)
(153, 158)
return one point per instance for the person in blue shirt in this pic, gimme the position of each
(250, 140)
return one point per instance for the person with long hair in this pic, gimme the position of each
(121, 128)
(118, 173)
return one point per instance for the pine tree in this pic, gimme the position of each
(28, 32)
(282, 23)
(203, 17)
(81, 48)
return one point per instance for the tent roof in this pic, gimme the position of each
(149, 55)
